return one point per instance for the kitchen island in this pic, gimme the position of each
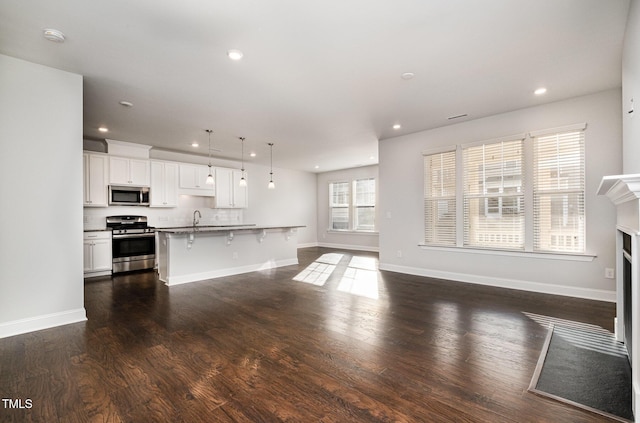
(195, 253)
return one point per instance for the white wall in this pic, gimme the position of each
(41, 276)
(631, 90)
(401, 203)
(350, 240)
(292, 202)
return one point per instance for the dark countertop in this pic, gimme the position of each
(222, 228)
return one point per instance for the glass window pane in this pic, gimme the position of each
(439, 199)
(340, 218)
(339, 194)
(365, 219)
(559, 192)
(365, 192)
(493, 195)
(494, 222)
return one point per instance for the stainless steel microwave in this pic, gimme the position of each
(128, 196)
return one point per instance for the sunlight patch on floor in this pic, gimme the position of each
(366, 263)
(330, 258)
(361, 282)
(359, 278)
(319, 271)
(315, 273)
(582, 335)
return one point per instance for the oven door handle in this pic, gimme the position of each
(125, 236)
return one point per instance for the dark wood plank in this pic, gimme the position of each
(265, 347)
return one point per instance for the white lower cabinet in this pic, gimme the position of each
(97, 253)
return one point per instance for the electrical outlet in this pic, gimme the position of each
(399, 253)
(235, 255)
(609, 273)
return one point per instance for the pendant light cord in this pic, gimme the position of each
(271, 184)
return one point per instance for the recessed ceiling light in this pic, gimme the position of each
(103, 129)
(316, 167)
(53, 35)
(372, 158)
(407, 75)
(195, 144)
(252, 154)
(540, 91)
(397, 126)
(126, 103)
(234, 54)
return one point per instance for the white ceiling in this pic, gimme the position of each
(319, 79)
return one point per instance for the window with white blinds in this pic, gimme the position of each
(440, 198)
(524, 193)
(352, 205)
(364, 204)
(339, 199)
(558, 194)
(494, 195)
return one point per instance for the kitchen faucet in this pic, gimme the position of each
(196, 220)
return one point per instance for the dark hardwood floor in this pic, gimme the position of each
(274, 346)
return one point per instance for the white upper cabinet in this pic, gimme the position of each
(164, 184)
(229, 193)
(193, 180)
(125, 171)
(96, 176)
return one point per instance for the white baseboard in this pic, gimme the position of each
(195, 277)
(543, 288)
(348, 247)
(307, 245)
(46, 321)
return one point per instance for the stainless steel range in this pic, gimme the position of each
(134, 243)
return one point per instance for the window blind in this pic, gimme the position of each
(364, 204)
(558, 193)
(494, 195)
(339, 198)
(440, 198)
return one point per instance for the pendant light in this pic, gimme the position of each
(243, 181)
(271, 184)
(210, 180)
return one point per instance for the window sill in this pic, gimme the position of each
(350, 232)
(528, 254)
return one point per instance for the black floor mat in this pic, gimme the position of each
(586, 368)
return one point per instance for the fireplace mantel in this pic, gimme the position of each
(620, 188)
(624, 193)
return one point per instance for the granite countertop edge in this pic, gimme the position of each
(222, 228)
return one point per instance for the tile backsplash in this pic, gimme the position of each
(95, 218)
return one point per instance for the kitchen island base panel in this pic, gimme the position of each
(193, 277)
(198, 256)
